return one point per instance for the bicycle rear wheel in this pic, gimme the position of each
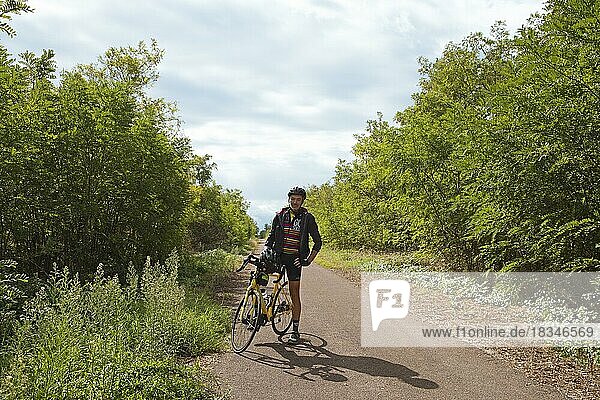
(282, 311)
(245, 322)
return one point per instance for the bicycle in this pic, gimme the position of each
(256, 308)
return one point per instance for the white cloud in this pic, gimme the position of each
(264, 161)
(274, 91)
(268, 147)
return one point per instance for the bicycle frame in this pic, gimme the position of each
(254, 286)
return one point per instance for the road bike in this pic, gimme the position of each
(258, 307)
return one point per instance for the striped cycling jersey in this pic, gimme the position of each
(291, 233)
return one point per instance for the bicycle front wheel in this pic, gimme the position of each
(282, 311)
(245, 322)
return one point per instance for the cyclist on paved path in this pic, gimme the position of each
(289, 239)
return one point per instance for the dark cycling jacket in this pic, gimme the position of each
(308, 226)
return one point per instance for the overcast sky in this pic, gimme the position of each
(273, 90)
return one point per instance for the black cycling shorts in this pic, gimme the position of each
(293, 272)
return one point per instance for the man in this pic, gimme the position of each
(289, 238)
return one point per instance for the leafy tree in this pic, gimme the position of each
(218, 218)
(94, 171)
(264, 232)
(495, 163)
(201, 170)
(543, 155)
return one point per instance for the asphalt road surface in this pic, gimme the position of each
(330, 363)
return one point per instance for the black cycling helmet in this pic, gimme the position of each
(297, 190)
(269, 260)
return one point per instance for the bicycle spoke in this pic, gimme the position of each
(282, 311)
(245, 323)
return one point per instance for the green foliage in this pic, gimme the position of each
(264, 232)
(94, 170)
(101, 340)
(8, 7)
(201, 169)
(495, 164)
(179, 330)
(208, 269)
(218, 218)
(13, 293)
(353, 261)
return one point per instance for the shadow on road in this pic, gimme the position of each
(310, 360)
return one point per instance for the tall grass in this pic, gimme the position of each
(101, 340)
(208, 269)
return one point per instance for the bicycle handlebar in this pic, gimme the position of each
(252, 259)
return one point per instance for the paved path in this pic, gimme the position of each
(331, 364)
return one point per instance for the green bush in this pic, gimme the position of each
(207, 269)
(177, 329)
(13, 292)
(101, 340)
(217, 218)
